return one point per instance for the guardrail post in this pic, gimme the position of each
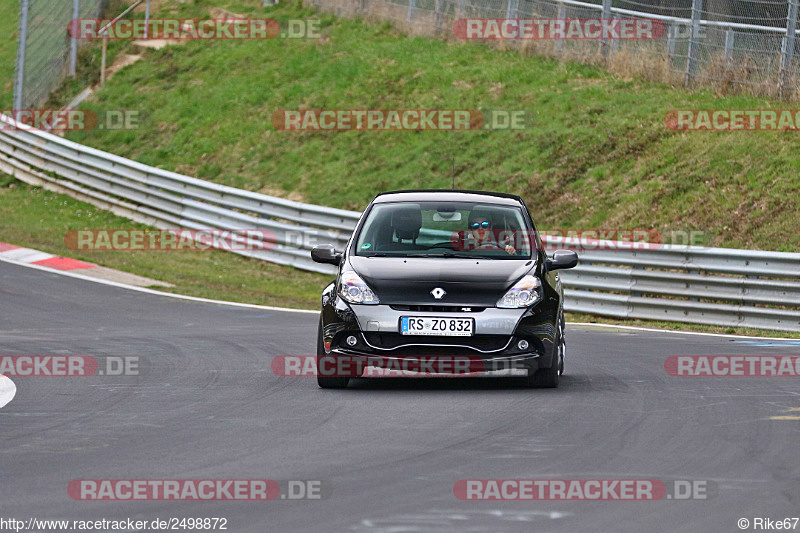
(788, 49)
(562, 14)
(73, 45)
(693, 272)
(694, 42)
(412, 5)
(606, 16)
(634, 292)
(19, 78)
(729, 36)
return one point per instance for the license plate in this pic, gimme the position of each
(431, 325)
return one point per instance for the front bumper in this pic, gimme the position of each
(494, 343)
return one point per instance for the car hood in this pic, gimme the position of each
(468, 282)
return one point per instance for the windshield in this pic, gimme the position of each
(445, 229)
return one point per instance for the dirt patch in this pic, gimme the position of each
(157, 44)
(219, 13)
(280, 193)
(120, 62)
(118, 276)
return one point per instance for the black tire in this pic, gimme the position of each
(548, 378)
(327, 382)
(563, 344)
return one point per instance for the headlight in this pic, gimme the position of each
(353, 290)
(524, 293)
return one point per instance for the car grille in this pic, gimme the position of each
(438, 308)
(431, 345)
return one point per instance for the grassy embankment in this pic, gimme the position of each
(596, 154)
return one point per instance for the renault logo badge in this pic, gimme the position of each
(438, 293)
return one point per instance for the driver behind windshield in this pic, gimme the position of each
(480, 231)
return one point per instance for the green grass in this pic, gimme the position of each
(597, 153)
(9, 20)
(39, 219)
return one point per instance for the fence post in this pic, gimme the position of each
(73, 45)
(512, 9)
(606, 16)
(670, 43)
(788, 49)
(103, 60)
(614, 42)
(147, 20)
(19, 79)
(562, 14)
(691, 60)
(412, 5)
(729, 36)
(462, 8)
(437, 16)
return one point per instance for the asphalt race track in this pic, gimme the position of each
(208, 406)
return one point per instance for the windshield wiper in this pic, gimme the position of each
(449, 255)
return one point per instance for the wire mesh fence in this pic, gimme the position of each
(735, 45)
(46, 52)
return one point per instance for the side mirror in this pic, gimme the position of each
(562, 259)
(326, 253)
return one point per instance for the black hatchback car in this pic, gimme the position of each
(444, 273)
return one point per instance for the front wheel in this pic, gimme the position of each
(327, 382)
(548, 378)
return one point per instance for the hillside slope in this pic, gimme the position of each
(596, 154)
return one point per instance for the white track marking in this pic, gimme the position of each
(7, 391)
(158, 293)
(26, 255)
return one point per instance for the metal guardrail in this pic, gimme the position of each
(716, 286)
(168, 200)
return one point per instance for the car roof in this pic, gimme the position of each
(448, 195)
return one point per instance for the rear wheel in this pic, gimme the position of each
(327, 382)
(548, 378)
